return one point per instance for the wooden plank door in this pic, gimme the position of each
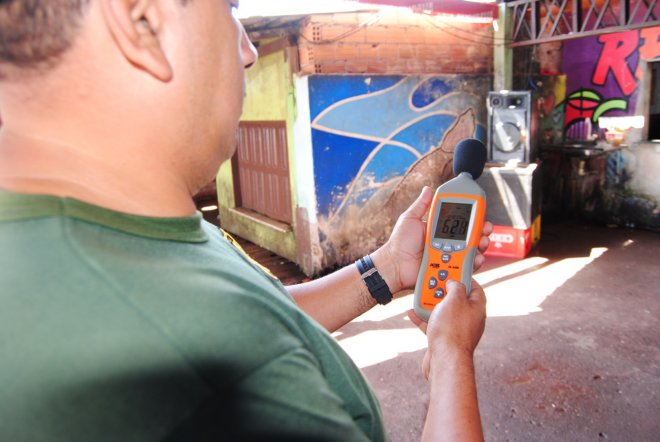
(261, 170)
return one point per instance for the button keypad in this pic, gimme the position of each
(440, 269)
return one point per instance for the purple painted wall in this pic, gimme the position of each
(603, 75)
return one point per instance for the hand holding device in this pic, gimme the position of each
(453, 230)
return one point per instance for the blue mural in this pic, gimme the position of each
(378, 127)
(369, 131)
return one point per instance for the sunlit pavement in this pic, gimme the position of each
(571, 350)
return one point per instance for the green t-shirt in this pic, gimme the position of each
(128, 328)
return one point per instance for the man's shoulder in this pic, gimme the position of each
(191, 287)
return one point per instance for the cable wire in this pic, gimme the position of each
(374, 19)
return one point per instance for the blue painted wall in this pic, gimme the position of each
(378, 126)
(368, 130)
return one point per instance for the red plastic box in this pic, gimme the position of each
(514, 243)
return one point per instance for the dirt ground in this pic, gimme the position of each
(571, 350)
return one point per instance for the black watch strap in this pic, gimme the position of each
(372, 279)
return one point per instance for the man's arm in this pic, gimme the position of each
(453, 332)
(340, 297)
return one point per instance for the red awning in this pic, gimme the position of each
(457, 7)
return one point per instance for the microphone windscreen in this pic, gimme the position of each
(470, 156)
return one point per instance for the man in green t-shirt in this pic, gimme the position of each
(124, 316)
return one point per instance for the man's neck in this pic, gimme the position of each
(109, 177)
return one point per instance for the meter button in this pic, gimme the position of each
(447, 248)
(440, 293)
(436, 244)
(443, 274)
(446, 258)
(459, 247)
(433, 283)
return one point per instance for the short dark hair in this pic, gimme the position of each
(35, 33)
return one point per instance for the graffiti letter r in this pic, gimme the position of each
(617, 48)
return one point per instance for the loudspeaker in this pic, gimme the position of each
(510, 127)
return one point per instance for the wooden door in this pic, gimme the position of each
(261, 170)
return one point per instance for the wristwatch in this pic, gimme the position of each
(375, 283)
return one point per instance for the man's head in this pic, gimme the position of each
(149, 81)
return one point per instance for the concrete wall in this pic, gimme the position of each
(273, 93)
(310, 255)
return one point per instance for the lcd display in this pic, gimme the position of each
(453, 221)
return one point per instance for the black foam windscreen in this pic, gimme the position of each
(470, 156)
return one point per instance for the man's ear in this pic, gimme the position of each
(134, 25)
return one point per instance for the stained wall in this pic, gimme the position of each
(376, 141)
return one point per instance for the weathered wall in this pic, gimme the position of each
(269, 89)
(377, 140)
(633, 199)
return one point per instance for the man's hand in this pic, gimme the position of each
(405, 248)
(456, 324)
(453, 332)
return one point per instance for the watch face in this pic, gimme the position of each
(453, 221)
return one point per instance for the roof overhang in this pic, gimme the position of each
(453, 7)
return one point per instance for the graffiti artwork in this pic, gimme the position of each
(377, 141)
(604, 72)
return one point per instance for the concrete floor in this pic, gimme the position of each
(571, 350)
